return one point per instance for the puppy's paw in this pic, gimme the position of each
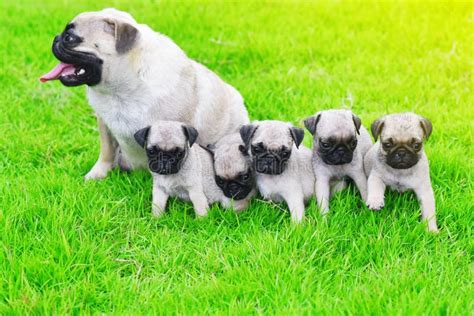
(200, 204)
(375, 204)
(297, 218)
(324, 210)
(433, 228)
(240, 206)
(157, 211)
(201, 215)
(99, 171)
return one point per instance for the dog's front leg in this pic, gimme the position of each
(360, 181)
(241, 205)
(295, 202)
(426, 198)
(323, 193)
(159, 200)
(108, 148)
(375, 192)
(199, 201)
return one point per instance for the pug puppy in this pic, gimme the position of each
(282, 164)
(398, 160)
(233, 170)
(135, 77)
(340, 143)
(179, 169)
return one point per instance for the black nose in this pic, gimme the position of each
(401, 154)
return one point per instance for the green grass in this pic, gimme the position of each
(67, 246)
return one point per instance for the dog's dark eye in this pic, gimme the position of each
(416, 146)
(353, 143)
(180, 154)
(325, 145)
(68, 38)
(245, 177)
(219, 181)
(285, 153)
(257, 149)
(387, 145)
(152, 151)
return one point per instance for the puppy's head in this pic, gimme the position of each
(401, 138)
(167, 144)
(234, 174)
(92, 47)
(335, 135)
(270, 144)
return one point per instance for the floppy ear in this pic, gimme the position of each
(141, 136)
(244, 150)
(311, 122)
(357, 123)
(426, 126)
(209, 148)
(125, 35)
(246, 133)
(191, 134)
(297, 134)
(376, 127)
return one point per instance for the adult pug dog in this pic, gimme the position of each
(136, 76)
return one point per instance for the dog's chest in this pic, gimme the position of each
(399, 187)
(398, 182)
(124, 119)
(338, 172)
(173, 186)
(271, 186)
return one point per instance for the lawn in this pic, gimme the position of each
(69, 246)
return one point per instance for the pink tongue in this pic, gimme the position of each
(58, 71)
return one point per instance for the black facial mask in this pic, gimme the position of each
(401, 159)
(337, 152)
(88, 67)
(237, 188)
(401, 155)
(270, 161)
(165, 162)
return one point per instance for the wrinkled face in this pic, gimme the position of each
(237, 187)
(270, 159)
(77, 67)
(335, 150)
(271, 147)
(166, 145)
(166, 149)
(165, 162)
(90, 47)
(233, 167)
(401, 139)
(401, 153)
(335, 135)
